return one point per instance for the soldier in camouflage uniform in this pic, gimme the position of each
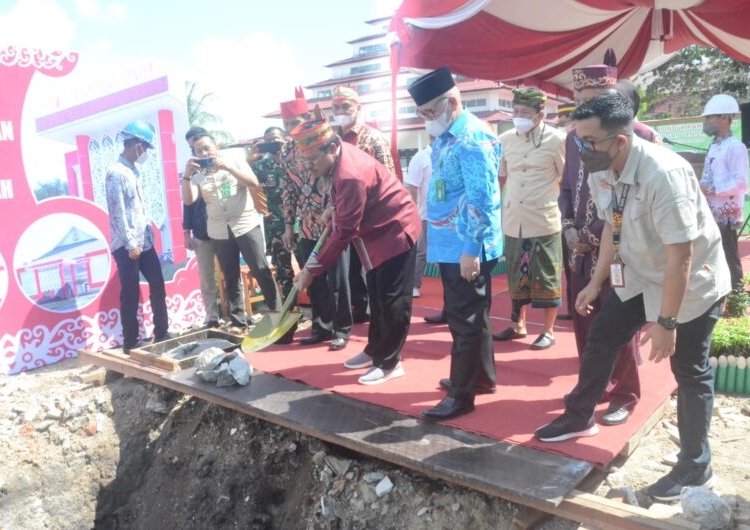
(270, 173)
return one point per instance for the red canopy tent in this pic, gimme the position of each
(539, 42)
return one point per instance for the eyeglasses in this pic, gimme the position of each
(431, 114)
(590, 145)
(308, 163)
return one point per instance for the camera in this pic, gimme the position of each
(205, 162)
(269, 147)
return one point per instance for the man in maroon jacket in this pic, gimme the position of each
(372, 210)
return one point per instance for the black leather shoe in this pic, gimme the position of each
(615, 415)
(288, 337)
(169, 335)
(137, 346)
(312, 339)
(565, 316)
(338, 344)
(447, 384)
(436, 319)
(449, 407)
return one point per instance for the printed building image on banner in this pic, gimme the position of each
(59, 290)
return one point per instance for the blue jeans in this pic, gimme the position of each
(613, 327)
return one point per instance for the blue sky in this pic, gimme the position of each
(249, 53)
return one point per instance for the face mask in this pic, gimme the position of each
(142, 158)
(343, 120)
(439, 126)
(596, 160)
(523, 125)
(710, 128)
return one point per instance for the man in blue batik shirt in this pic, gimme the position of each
(132, 238)
(464, 235)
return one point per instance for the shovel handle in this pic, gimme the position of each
(321, 241)
(292, 297)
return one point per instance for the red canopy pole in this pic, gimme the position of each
(395, 52)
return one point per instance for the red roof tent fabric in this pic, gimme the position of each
(538, 42)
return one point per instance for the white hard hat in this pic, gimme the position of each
(721, 104)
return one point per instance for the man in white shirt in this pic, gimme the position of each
(724, 179)
(417, 181)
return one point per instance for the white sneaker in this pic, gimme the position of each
(376, 375)
(415, 293)
(255, 318)
(361, 360)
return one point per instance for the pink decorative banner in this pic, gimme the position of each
(59, 290)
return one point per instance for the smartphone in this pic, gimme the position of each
(269, 147)
(205, 162)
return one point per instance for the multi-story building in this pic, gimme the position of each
(368, 71)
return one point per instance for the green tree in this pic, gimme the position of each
(682, 85)
(51, 188)
(200, 116)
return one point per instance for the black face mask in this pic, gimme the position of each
(596, 160)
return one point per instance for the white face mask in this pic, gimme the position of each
(523, 125)
(343, 120)
(142, 158)
(440, 125)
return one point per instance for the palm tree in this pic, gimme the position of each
(200, 116)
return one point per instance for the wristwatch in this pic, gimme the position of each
(669, 323)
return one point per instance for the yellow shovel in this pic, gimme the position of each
(276, 324)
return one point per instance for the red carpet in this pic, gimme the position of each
(530, 383)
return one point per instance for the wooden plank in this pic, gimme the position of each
(526, 518)
(117, 361)
(607, 514)
(152, 359)
(501, 469)
(641, 433)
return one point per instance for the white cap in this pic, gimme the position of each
(721, 104)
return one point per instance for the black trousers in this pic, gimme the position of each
(250, 246)
(329, 295)
(467, 306)
(358, 286)
(128, 270)
(731, 251)
(390, 287)
(613, 327)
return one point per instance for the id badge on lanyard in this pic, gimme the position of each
(617, 267)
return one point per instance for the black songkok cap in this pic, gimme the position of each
(431, 85)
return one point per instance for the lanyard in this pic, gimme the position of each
(618, 206)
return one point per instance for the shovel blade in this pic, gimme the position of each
(271, 328)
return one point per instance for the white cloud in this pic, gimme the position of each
(101, 11)
(37, 24)
(249, 78)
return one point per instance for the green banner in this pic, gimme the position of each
(685, 136)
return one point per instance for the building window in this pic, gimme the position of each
(363, 69)
(324, 94)
(410, 111)
(475, 103)
(372, 49)
(364, 89)
(505, 103)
